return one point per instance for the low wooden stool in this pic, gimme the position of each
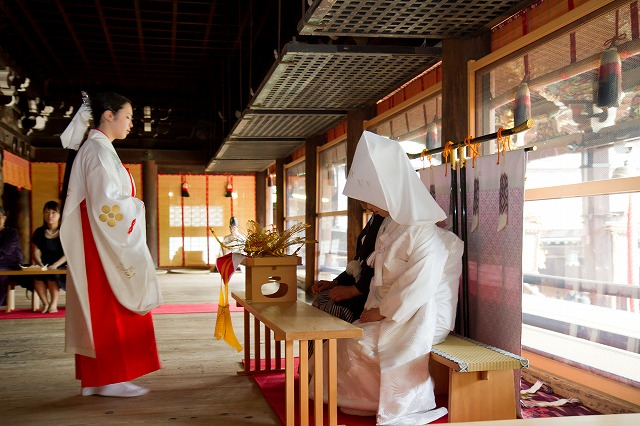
(478, 378)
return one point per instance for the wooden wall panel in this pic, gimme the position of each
(184, 236)
(46, 182)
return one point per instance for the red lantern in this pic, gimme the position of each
(185, 189)
(229, 191)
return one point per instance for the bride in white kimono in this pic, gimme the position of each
(413, 293)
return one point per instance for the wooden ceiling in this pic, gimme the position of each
(231, 85)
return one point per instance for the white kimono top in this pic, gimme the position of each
(118, 225)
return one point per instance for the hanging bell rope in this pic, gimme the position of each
(504, 143)
(473, 149)
(479, 139)
(425, 153)
(446, 152)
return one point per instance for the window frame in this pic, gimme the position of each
(554, 29)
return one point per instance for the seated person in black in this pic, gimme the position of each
(48, 254)
(10, 253)
(345, 296)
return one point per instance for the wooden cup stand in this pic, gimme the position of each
(266, 270)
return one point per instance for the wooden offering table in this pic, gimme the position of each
(290, 322)
(30, 271)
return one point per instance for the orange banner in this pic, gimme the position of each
(16, 171)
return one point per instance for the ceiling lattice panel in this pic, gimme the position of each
(331, 77)
(284, 124)
(257, 149)
(234, 166)
(409, 18)
(262, 135)
(310, 89)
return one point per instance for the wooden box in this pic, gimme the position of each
(262, 271)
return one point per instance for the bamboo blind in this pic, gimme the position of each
(536, 15)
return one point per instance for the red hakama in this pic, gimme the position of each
(124, 341)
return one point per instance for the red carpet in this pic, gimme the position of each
(183, 308)
(26, 313)
(273, 388)
(192, 308)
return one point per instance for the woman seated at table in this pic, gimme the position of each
(48, 254)
(10, 253)
(386, 373)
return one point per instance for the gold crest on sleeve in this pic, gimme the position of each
(111, 215)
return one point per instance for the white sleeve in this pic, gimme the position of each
(413, 288)
(118, 226)
(115, 211)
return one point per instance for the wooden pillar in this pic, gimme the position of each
(16, 203)
(150, 195)
(23, 221)
(261, 197)
(456, 53)
(311, 206)
(280, 194)
(355, 127)
(1, 172)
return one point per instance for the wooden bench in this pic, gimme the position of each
(11, 286)
(290, 322)
(478, 379)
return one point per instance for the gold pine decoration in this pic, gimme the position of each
(263, 242)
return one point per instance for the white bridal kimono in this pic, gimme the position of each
(117, 221)
(416, 275)
(387, 371)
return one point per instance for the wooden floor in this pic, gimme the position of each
(197, 384)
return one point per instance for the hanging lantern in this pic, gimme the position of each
(184, 189)
(523, 104)
(229, 191)
(331, 176)
(609, 87)
(433, 135)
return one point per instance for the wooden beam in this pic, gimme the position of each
(73, 34)
(311, 203)
(261, 197)
(355, 127)
(163, 158)
(280, 194)
(150, 194)
(38, 31)
(143, 58)
(455, 104)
